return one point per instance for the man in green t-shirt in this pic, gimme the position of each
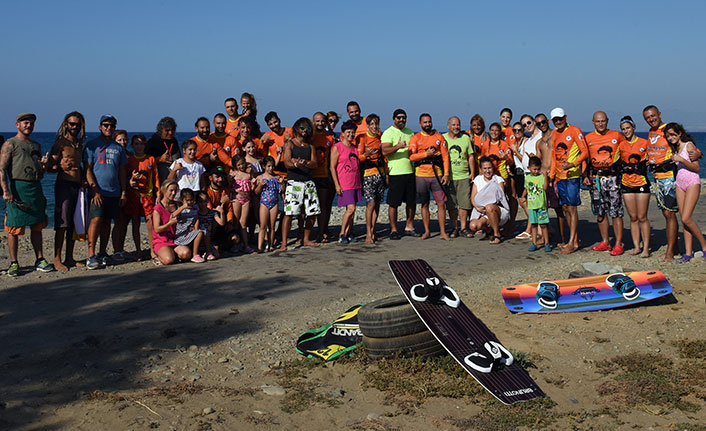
(462, 172)
(402, 188)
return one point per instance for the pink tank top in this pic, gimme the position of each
(348, 167)
(165, 238)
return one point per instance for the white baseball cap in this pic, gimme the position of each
(557, 112)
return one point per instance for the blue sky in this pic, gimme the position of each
(143, 60)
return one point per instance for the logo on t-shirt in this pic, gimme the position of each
(615, 141)
(568, 138)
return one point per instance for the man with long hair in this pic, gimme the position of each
(65, 160)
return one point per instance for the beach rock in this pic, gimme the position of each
(273, 390)
(373, 416)
(208, 411)
(599, 268)
(222, 360)
(338, 393)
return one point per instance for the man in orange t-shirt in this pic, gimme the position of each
(429, 151)
(204, 149)
(602, 176)
(275, 140)
(374, 173)
(231, 107)
(353, 110)
(659, 161)
(568, 153)
(217, 138)
(234, 144)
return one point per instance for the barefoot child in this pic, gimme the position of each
(242, 186)
(187, 228)
(536, 184)
(268, 186)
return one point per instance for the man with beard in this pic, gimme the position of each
(275, 140)
(231, 107)
(22, 163)
(204, 149)
(353, 110)
(394, 142)
(429, 150)
(217, 138)
(66, 162)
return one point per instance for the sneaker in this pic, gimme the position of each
(118, 257)
(198, 259)
(601, 247)
(14, 269)
(343, 239)
(617, 250)
(104, 259)
(533, 247)
(547, 248)
(92, 262)
(210, 256)
(43, 266)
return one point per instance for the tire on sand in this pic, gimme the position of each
(421, 344)
(389, 317)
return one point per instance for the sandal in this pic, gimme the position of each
(523, 235)
(156, 262)
(467, 233)
(495, 239)
(454, 234)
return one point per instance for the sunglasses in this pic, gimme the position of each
(401, 117)
(108, 125)
(542, 123)
(73, 124)
(517, 130)
(303, 127)
(527, 124)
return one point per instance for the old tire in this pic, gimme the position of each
(389, 317)
(421, 344)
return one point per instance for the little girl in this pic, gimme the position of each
(187, 171)
(206, 222)
(242, 186)
(187, 228)
(268, 185)
(688, 186)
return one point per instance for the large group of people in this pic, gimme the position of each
(207, 195)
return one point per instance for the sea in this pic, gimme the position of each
(47, 140)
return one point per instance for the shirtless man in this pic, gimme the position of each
(544, 152)
(65, 161)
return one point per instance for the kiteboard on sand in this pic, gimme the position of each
(462, 334)
(599, 292)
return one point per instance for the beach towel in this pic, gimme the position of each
(29, 206)
(492, 193)
(81, 216)
(329, 342)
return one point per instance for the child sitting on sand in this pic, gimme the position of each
(536, 184)
(187, 228)
(268, 185)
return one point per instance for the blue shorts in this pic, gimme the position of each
(569, 191)
(538, 216)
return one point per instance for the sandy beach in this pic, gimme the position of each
(197, 346)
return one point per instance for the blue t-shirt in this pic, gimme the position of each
(106, 158)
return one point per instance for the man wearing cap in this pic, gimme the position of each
(602, 176)
(402, 188)
(21, 161)
(106, 175)
(568, 152)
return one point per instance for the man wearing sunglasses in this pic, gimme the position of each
(394, 143)
(106, 175)
(544, 152)
(65, 160)
(22, 163)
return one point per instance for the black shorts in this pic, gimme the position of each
(65, 196)
(110, 209)
(402, 189)
(519, 181)
(639, 189)
(323, 183)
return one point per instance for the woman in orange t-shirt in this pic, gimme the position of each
(634, 185)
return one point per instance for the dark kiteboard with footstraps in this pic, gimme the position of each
(462, 334)
(599, 292)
